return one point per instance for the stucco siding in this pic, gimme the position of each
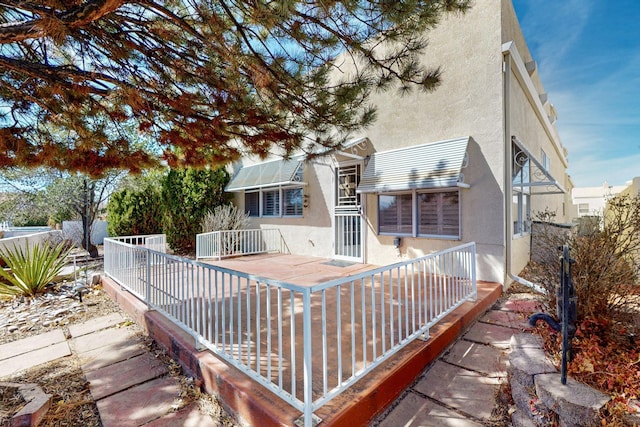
(469, 102)
(311, 233)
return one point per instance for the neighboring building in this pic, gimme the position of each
(591, 201)
(472, 161)
(632, 187)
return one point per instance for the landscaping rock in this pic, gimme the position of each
(529, 406)
(526, 361)
(575, 403)
(518, 419)
(522, 395)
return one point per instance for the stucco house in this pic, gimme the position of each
(471, 161)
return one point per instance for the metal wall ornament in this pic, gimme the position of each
(529, 173)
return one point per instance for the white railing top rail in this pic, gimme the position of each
(196, 263)
(210, 233)
(383, 269)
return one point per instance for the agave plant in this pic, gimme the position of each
(31, 269)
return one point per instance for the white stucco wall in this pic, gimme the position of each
(596, 197)
(22, 241)
(531, 117)
(73, 230)
(469, 102)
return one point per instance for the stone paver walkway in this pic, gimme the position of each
(460, 388)
(130, 386)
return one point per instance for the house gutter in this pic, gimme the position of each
(508, 173)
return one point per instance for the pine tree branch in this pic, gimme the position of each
(75, 17)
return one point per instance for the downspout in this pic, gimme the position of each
(508, 174)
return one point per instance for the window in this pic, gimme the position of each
(583, 208)
(292, 201)
(521, 213)
(438, 214)
(271, 203)
(420, 213)
(271, 189)
(269, 200)
(545, 160)
(395, 213)
(252, 203)
(520, 210)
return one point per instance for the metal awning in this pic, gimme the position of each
(537, 178)
(349, 149)
(432, 165)
(268, 174)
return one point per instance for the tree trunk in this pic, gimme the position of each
(87, 220)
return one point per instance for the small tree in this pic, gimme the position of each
(187, 195)
(49, 196)
(23, 209)
(85, 197)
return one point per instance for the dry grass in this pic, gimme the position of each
(11, 402)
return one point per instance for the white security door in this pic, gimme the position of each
(348, 213)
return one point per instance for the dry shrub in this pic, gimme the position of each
(605, 273)
(225, 217)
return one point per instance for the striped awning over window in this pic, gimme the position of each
(267, 174)
(432, 165)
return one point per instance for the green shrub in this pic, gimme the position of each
(135, 211)
(187, 195)
(31, 269)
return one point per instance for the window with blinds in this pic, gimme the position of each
(395, 214)
(292, 201)
(271, 203)
(252, 203)
(437, 214)
(272, 189)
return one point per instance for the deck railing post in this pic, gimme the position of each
(474, 292)
(307, 348)
(147, 296)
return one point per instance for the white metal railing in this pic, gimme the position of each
(226, 243)
(156, 243)
(307, 344)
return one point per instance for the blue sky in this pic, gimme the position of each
(588, 55)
